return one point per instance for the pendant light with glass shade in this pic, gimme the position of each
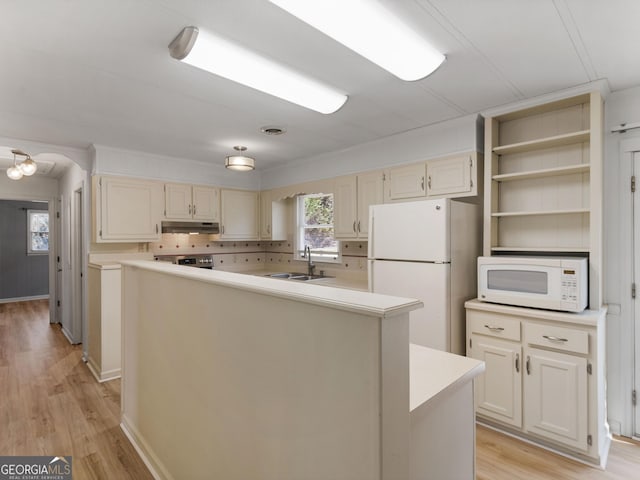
(240, 162)
(25, 168)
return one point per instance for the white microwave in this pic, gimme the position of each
(554, 283)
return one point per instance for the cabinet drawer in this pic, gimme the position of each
(500, 326)
(558, 338)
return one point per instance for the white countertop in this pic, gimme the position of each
(586, 317)
(434, 373)
(307, 292)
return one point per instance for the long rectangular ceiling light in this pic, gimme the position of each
(224, 58)
(369, 29)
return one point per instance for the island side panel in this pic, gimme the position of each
(222, 383)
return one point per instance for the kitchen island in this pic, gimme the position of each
(239, 377)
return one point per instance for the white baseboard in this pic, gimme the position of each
(24, 299)
(101, 376)
(153, 463)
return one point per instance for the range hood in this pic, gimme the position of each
(191, 227)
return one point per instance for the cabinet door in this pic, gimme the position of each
(206, 204)
(345, 208)
(130, 210)
(555, 388)
(265, 215)
(449, 176)
(370, 192)
(498, 390)
(239, 215)
(177, 201)
(406, 182)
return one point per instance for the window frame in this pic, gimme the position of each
(30, 250)
(300, 226)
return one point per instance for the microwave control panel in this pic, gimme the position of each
(569, 285)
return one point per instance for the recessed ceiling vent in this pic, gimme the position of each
(272, 130)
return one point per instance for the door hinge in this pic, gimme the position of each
(100, 181)
(471, 162)
(633, 183)
(589, 440)
(633, 290)
(589, 369)
(57, 214)
(100, 233)
(384, 177)
(634, 398)
(58, 303)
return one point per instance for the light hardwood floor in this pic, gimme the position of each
(51, 405)
(499, 457)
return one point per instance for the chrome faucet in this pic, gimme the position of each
(310, 265)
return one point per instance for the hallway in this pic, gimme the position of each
(51, 405)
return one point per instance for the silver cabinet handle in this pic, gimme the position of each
(354, 226)
(517, 362)
(429, 182)
(194, 209)
(422, 183)
(551, 338)
(156, 228)
(494, 329)
(222, 229)
(189, 209)
(528, 365)
(358, 226)
(268, 228)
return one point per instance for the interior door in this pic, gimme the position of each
(636, 280)
(58, 263)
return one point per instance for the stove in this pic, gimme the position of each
(198, 260)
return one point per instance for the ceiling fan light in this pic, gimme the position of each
(28, 167)
(226, 59)
(14, 173)
(381, 37)
(240, 163)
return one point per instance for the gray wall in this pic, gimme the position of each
(21, 275)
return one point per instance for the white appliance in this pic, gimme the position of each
(427, 250)
(554, 283)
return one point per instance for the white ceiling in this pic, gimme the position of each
(77, 72)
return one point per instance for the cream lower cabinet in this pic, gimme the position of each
(239, 215)
(126, 209)
(544, 377)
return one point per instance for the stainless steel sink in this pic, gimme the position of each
(303, 277)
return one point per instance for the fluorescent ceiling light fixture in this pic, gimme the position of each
(369, 29)
(226, 59)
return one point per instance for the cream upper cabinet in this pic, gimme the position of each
(352, 197)
(187, 202)
(126, 209)
(407, 182)
(239, 215)
(449, 176)
(545, 375)
(273, 217)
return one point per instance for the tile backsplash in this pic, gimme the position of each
(258, 255)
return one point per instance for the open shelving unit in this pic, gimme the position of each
(543, 182)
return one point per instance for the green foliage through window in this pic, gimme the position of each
(315, 227)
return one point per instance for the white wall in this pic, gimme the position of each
(620, 107)
(453, 136)
(114, 161)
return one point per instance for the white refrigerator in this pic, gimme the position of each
(427, 250)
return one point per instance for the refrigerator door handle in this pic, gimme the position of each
(370, 275)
